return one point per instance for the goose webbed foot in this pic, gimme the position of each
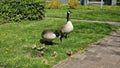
(62, 35)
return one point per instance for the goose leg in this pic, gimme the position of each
(61, 39)
(62, 35)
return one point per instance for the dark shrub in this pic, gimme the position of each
(118, 2)
(16, 10)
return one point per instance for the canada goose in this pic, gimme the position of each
(69, 52)
(48, 36)
(34, 46)
(67, 28)
(41, 47)
(54, 54)
(41, 53)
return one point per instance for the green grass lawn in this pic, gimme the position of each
(16, 40)
(89, 12)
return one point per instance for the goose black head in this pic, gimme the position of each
(57, 33)
(68, 12)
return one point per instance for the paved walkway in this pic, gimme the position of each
(90, 21)
(103, 54)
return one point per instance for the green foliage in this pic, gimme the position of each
(16, 10)
(54, 4)
(73, 4)
(118, 2)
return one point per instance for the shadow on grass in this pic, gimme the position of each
(29, 52)
(47, 42)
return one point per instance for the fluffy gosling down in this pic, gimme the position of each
(69, 52)
(54, 54)
(67, 28)
(48, 36)
(40, 48)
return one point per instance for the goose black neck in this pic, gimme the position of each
(68, 16)
(57, 33)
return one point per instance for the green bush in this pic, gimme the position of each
(54, 4)
(16, 10)
(73, 4)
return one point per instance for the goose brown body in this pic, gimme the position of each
(48, 35)
(67, 28)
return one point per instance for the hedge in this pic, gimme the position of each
(17, 10)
